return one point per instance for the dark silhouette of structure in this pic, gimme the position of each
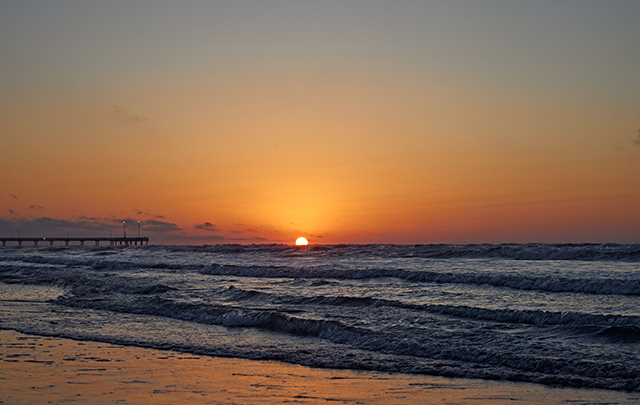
(112, 241)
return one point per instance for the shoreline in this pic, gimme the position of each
(37, 369)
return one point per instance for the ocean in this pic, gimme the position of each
(561, 315)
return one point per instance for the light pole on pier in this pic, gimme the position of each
(67, 233)
(138, 229)
(124, 229)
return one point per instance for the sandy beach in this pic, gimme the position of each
(40, 370)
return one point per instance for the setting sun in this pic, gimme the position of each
(302, 241)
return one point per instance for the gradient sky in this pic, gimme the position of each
(342, 121)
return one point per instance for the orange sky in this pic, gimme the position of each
(218, 122)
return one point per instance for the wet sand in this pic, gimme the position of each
(41, 370)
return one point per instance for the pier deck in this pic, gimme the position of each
(96, 240)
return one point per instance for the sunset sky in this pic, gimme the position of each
(342, 121)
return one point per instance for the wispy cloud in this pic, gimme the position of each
(636, 140)
(83, 226)
(162, 232)
(208, 226)
(218, 239)
(152, 225)
(124, 115)
(46, 226)
(8, 196)
(84, 218)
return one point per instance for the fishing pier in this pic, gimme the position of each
(112, 241)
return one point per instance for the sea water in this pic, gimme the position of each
(565, 315)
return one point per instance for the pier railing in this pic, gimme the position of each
(112, 241)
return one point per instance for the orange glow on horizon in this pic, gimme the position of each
(453, 139)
